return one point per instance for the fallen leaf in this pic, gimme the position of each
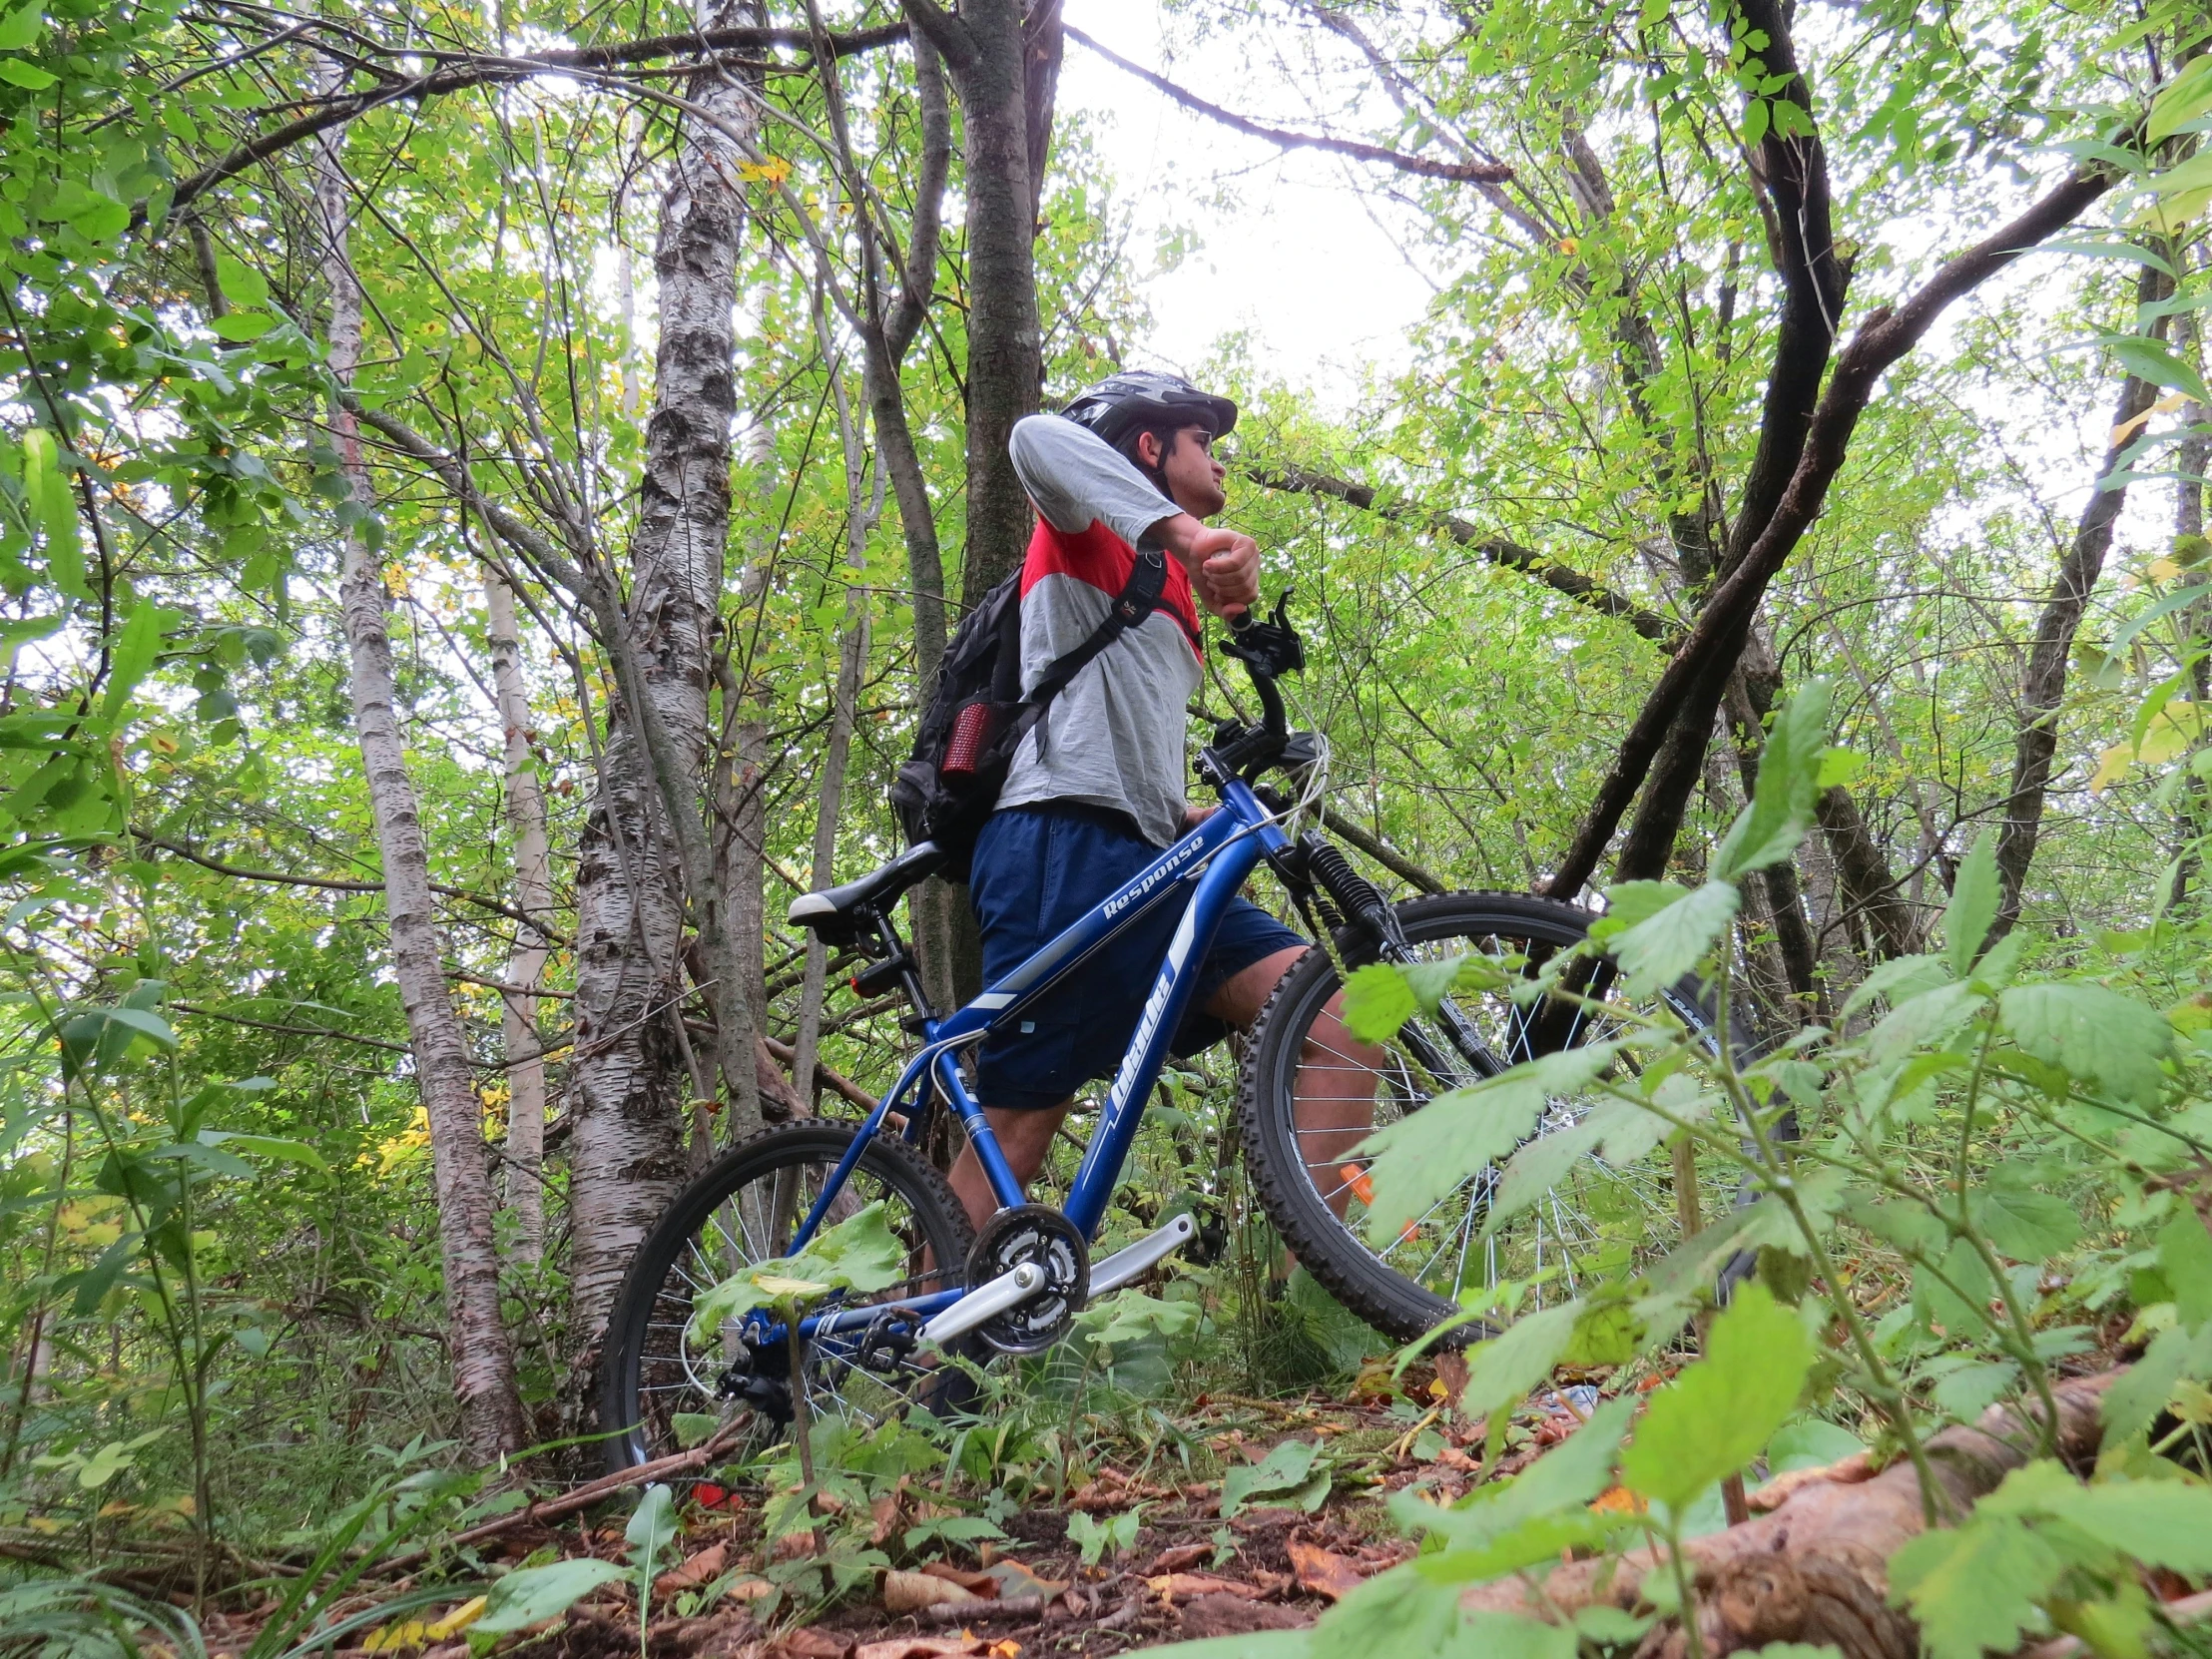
(456, 1621)
(748, 1589)
(1008, 1649)
(810, 1644)
(1324, 1571)
(794, 1547)
(1167, 1586)
(920, 1647)
(1617, 1500)
(910, 1592)
(976, 1583)
(1181, 1556)
(885, 1513)
(695, 1571)
(1016, 1579)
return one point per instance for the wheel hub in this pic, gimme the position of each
(1033, 1234)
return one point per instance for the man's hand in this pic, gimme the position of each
(1224, 564)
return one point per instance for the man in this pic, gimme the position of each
(1098, 789)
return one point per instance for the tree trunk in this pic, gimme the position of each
(524, 1049)
(483, 1359)
(2043, 687)
(645, 835)
(984, 49)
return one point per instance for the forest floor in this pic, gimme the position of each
(1182, 1570)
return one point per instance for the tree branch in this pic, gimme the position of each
(1584, 589)
(332, 884)
(1694, 677)
(1482, 172)
(459, 72)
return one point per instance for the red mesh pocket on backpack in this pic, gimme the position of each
(973, 727)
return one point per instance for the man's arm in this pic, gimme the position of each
(1078, 479)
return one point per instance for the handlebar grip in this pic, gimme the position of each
(1240, 621)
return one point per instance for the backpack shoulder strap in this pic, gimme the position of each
(1138, 599)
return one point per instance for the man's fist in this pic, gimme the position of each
(1227, 566)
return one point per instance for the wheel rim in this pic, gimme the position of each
(867, 1376)
(1597, 1219)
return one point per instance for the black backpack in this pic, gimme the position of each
(977, 717)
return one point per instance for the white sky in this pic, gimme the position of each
(1295, 255)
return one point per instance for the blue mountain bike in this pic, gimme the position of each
(1308, 1097)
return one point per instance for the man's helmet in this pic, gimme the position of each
(1142, 399)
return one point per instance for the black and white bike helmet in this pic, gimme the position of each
(1144, 398)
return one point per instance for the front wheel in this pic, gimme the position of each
(1306, 1101)
(665, 1385)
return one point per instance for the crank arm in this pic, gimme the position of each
(1134, 1260)
(985, 1304)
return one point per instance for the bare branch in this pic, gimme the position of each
(1480, 173)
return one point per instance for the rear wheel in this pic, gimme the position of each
(741, 1211)
(1314, 1185)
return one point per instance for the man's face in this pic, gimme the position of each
(1193, 476)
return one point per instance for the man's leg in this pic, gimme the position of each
(1025, 1137)
(1336, 1075)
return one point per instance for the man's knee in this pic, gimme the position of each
(1244, 994)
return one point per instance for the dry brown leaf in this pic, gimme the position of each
(794, 1547)
(749, 1589)
(885, 1513)
(910, 1592)
(1168, 1585)
(695, 1570)
(976, 1583)
(1324, 1571)
(920, 1647)
(810, 1644)
(1181, 1556)
(1016, 1579)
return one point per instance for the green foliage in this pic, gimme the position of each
(531, 1595)
(1720, 1412)
(857, 1254)
(1097, 1536)
(1295, 1475)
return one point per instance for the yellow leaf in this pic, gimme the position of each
(1618, 1501)
(1570, 245)
(776, 1285)
(2163, 570)
(458, 1620)
(2112, 765)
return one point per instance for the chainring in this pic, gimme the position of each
(1032, 1233)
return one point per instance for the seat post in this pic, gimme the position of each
(909, 972)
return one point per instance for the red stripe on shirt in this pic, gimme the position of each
(1104, 560)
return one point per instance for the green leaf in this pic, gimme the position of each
(241, 327)
(1257, 1644)
(2185, 1256)
(651, 1526)
(1971, 1389)
(46, 489)
(1286, 1468)
(1839, 767)
(1559, 1482)
(1957, 1292)
(531, 1595)
(2161, 1522)
(2091, 1033)
(25, 75)
(860, 1253)
(2139, 1392)
(1719, 1414)
(1630, 903)
(1132, 1317)
(1810, 1443)
(1502, 1372)
(19, 30)
(242, 284)
(2187, 96)
(132, 656)
(1509, 1636)
(2024, 1224)
(1781, 810)
(1657, 952)
(1540, 1167)
(1974, 905)
(267, 1146)
(1378, 1001)
(1392, 1615)
(2149, 360)
(1975, 1586)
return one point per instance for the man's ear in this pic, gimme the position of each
(1148, 449)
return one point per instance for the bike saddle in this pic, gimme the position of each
(830, 911)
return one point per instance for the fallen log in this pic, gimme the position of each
(1816, 1570)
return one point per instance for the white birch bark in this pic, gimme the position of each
(483, 1358)
(627, 1091)
(533, 858)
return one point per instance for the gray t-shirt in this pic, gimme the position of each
(1114, 736)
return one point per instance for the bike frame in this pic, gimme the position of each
(1209, 865)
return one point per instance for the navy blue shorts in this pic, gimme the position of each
(1037, 869)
